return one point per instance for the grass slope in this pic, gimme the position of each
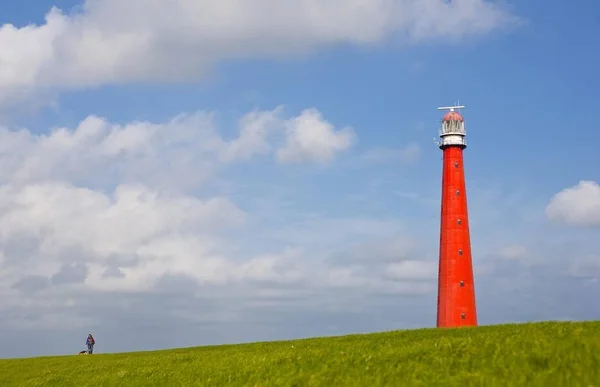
(538, 354)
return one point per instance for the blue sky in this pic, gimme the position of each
(530, 89)
(385, 91)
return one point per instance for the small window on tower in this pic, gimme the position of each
(457, 192)
(462, 284)
(460, 252)
(463, 316)
(456, 164)
(459, 221)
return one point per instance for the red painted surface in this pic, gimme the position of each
(452, 116)
(456, 300)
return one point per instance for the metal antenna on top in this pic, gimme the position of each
(451, 108)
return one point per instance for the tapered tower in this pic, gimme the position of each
(456, 287)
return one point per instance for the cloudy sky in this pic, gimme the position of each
(189, 172)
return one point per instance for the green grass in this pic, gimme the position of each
(538, 354)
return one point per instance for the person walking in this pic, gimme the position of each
(90, 343)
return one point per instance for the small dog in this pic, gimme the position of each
(82, 353)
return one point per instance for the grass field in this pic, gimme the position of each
(538, 354)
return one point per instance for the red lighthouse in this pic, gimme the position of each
(456, 288)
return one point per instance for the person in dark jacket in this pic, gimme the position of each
(90, 343)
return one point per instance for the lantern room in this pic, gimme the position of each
(452, 123)
(452, 131)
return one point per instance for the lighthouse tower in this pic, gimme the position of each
(456, 288)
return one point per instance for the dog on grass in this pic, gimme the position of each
(83, 352)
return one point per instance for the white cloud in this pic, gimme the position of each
(166, 234)
(57, 208)
(587, 267)
(310, 138)
(576, 206)
(180, 153)
(111, 207)
(99, 151)
(126, 242)
(256, 127)
(111, 42)
(412, 270)
(58, 241)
